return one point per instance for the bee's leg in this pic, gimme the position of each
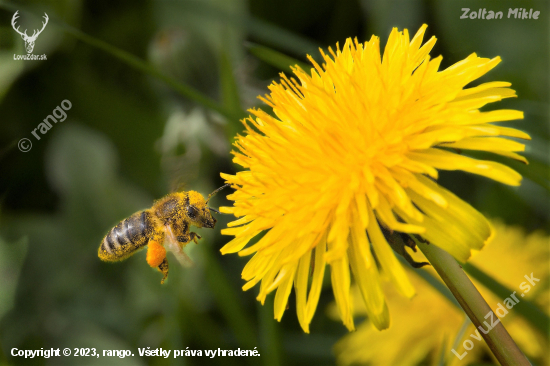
(412, 262)
(398, 242)
(163, 267)
(408, 241)
(421, 239)
(195, 237)
(183, 239)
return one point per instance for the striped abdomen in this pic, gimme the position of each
(128, 236)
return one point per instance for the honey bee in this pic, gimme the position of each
(166, 225)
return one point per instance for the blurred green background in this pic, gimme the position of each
(140, 129)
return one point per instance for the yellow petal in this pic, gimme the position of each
(486, 144)
(340, 276)
(500, 93)
(463, 212)
(387, 259)
(500, 115)
(388, 218)
(281, 297)
(366, 275)
(236, 244)
(301, 286)
(448, 161)
(483, 87)
(317, 279)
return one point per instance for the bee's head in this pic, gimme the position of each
(197, 210)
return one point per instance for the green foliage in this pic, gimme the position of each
(157, 90)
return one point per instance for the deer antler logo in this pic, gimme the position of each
(29, 41)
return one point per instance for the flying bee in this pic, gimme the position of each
(166, 225)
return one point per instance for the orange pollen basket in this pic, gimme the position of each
(155, 254)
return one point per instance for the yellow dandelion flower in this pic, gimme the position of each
(353, 147)
(423, 337)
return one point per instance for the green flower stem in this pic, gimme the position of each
(499, 341)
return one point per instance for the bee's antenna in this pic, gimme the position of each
(213, 209)
(216, 191)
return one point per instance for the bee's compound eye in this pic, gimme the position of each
(192, 212)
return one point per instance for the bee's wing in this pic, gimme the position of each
(179, 254)
(172, 245)
(178, 183)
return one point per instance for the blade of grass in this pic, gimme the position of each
(230, 96)
(260, 29)
(230, 90)
(537, 171)
(459, 336)
(275, 58)
(228, 303)
(269, 335)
